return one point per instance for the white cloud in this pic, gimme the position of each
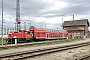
(48, 11)
(55, 5)
(58, 5)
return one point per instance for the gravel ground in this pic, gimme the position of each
(64, 55)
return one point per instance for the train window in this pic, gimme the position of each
(20, 30)
(31, 32)
(28, 32)
(38, 32)
(42, 32)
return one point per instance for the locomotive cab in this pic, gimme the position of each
(20, 36)
(30, 36)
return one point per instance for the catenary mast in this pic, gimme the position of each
(17, 16)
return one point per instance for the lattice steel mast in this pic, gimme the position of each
(17, 16)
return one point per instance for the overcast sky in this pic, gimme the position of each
(41, 13)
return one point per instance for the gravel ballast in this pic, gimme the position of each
(71, 54)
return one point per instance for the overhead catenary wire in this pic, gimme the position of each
(5, 5)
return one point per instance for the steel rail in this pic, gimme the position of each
(33, 53)
(24, 44)
(85, 57)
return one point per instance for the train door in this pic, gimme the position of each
(38, 34)
(47, 35)
(32, 34)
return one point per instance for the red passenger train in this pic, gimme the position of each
(36, 34)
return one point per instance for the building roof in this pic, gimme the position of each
(76, 22)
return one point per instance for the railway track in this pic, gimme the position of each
(32, 53)
(28, 44)
(85, 57)
(23, 44)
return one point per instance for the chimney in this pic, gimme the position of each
(74, 20)
(73, 17)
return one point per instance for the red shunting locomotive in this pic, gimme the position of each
(36, 34)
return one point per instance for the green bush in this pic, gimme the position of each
(4, 42)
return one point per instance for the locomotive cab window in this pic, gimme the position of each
(28, 32)
(20, 30)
